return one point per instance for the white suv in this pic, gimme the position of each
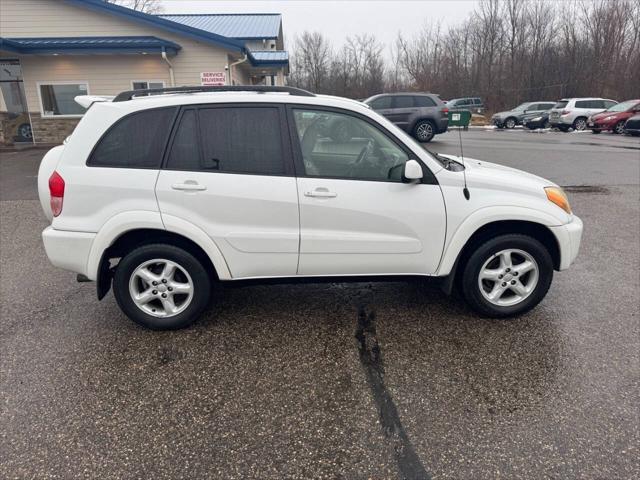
(574, 112)
(164, 195)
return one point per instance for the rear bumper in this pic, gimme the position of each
(569, 237)
(68, 250)
(564, 122)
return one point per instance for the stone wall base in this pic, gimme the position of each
(52, 130)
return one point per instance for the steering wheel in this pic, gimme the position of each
(364, 153)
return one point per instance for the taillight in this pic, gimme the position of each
(56, 191)
(445, 110)
(565, 112)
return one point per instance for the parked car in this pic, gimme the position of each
(632, 126)
(164, 195)
(574, 112)
(614, 118)
(422, 115)
(521, 113)
(17, 127)
(473, 104)
(541, 121)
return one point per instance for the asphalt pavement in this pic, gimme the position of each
(354, 381)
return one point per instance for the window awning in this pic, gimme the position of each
(88, 45)
(269, 58)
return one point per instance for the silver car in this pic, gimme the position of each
(573, 112)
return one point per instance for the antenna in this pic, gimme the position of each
(465, 190)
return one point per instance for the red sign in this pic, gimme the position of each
(213, 78)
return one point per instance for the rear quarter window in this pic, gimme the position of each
(561, 104)
(423, 101)
(135, 141)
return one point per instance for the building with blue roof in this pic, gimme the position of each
(54, 50)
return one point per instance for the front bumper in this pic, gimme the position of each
(569, 237)
(68, 250)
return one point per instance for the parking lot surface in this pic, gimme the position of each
(355, 381)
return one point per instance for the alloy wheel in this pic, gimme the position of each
(161, 288)
(508, 277)
(424, 131)
(580, 124)
(619, 128)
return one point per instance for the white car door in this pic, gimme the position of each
(228, 172)
(357, 216)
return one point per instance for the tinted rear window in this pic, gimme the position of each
(561, 104)
(135, 141)
(242, 140)
(402, 102)
(423, 101)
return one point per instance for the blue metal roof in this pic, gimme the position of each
(250, 26)
(85, 45)
(269, 57)
(155, 21)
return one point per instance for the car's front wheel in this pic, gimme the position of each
(507, 275)
(424, 131)
(510, 123)
(161, 287)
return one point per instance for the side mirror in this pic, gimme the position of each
(412, 170)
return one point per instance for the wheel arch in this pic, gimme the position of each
(536, 230)
(139, 237)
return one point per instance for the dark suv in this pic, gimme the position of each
(421, 115)
(473, 104)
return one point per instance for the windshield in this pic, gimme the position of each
(624, 106)
(522, 106)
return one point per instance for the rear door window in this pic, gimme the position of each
(403, 101)
(136, 141)
(424, 101)
(241, 140)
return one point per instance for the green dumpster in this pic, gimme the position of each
(459, 118)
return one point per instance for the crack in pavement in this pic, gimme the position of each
(409, 465)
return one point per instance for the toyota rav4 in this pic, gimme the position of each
(162, 195)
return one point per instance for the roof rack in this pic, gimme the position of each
(130, 94)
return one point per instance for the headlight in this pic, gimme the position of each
(557, 196)
(610, 117)
(537, 119)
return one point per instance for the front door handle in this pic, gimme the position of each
(189, 186)
(320, 192)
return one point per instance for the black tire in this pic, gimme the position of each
(563, 129)
(424, 131)
(200, 279)
(546, 124)
(619, 128)
(580, 124)
(510, 123)
(595, 131)
(24, 132)
(483, 252)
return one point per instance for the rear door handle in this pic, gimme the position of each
(320, 192)
(189, 186)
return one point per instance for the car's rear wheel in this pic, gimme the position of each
(580, 124)
(510, 123)
(161, 287)
(424, 131)
(619, 128)
(507, 275)
(24, 132)
(563, 128)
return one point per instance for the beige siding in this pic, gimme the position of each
(108, 74)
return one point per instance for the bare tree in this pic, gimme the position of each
(506, 51)
(147, 6)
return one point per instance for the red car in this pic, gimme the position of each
(614, 117)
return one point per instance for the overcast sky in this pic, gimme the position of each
(337, 19)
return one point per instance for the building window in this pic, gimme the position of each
(57, 99)
(144, 84)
